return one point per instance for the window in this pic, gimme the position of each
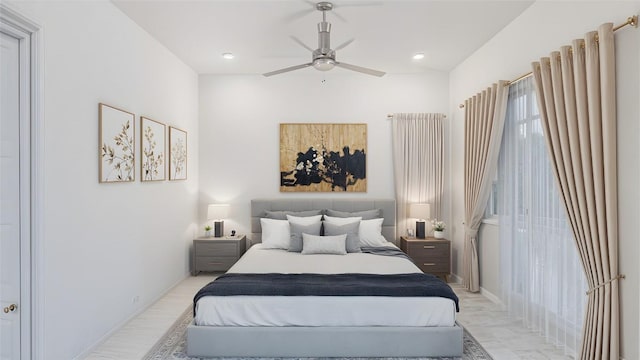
(542, 279)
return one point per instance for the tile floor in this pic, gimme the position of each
(503, 338)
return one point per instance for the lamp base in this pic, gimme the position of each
(218, 228)
(420, 232)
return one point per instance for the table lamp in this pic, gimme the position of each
(218, 212)
(421, 212)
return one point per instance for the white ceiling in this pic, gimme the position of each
(387, 33)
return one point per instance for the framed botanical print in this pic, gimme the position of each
(116, 136)
(323, 157)
(177, 154)
(152, 150)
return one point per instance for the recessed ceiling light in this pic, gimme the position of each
(228, 56)
(418, 56)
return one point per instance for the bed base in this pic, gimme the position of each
(230, 341)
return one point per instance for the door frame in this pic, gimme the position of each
(29, 34)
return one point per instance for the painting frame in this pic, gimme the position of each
(153, 148)
(323, 157)
(178, 154)
(116, 144)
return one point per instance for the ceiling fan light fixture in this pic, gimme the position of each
(418, 56)
(324, 64)
(228, 56)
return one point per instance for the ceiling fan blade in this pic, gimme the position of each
(360, 69)
(291, 68)
(357, 3)
(297, 15)
(340, 17)
(301, 43)
(344, 44)
(301, 13)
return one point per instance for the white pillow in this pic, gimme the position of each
(275, 233)
(307, 220)
(370, 233)
(340, 220)
(312, 244)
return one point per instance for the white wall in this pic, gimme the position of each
(239, 128)
(104, 244)
(543, 28)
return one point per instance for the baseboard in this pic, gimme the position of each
(116, 328)
(489, 295)
(456, 279)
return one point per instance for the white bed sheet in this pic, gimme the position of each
(323, 310)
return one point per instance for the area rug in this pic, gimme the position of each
(172, 346)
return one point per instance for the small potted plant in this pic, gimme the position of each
(207, 230)
(438, 229)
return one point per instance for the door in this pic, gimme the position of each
(10, 197)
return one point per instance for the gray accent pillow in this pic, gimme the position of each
(282, 215)
(365, 215)
(295, 244)
(350, 229)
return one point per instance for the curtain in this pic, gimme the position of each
(484, 122)
(541, 276)
(418, 165)
(577, 102)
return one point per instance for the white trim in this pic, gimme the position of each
(456, 279)
(30, 34)
(120, 325)
(491, 221)
(489, 295)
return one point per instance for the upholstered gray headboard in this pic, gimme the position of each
(259, 206)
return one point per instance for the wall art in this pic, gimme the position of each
(177, 154)
(116, 144)
(323, 157)
(152, 150)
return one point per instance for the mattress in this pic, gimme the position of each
(323, 310)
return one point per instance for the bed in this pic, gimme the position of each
(293, 326)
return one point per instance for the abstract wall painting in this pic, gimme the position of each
(152, 150)
(177, 154)
(116, 144)
(323, 157)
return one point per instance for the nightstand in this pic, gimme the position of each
(217, 254)
(431, 255)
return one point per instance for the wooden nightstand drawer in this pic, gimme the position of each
(432, 256)
(428, 266)
(437, 250)
(217, 254)
(216, 249)
(214, 263)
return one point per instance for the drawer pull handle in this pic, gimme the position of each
(429, 247)
(215, 263)
(429, 264)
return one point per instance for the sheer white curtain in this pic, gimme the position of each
(418, 164)
(542, 279)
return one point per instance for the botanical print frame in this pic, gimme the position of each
(323, 157)
(152, 150)
(177, 154)
(116, 149)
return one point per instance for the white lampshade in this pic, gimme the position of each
(217, 211)
(420, 211)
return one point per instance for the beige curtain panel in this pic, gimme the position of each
(418, 148)
(484, 122)
(577, 100)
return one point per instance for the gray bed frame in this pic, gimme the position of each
(298, 341)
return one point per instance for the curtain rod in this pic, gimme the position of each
(631, 20)
(389, 116)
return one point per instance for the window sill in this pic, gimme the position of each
(491, 221)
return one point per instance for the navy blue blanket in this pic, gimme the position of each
(385, 251)
(397, 285)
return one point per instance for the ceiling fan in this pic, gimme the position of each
(324, 58)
